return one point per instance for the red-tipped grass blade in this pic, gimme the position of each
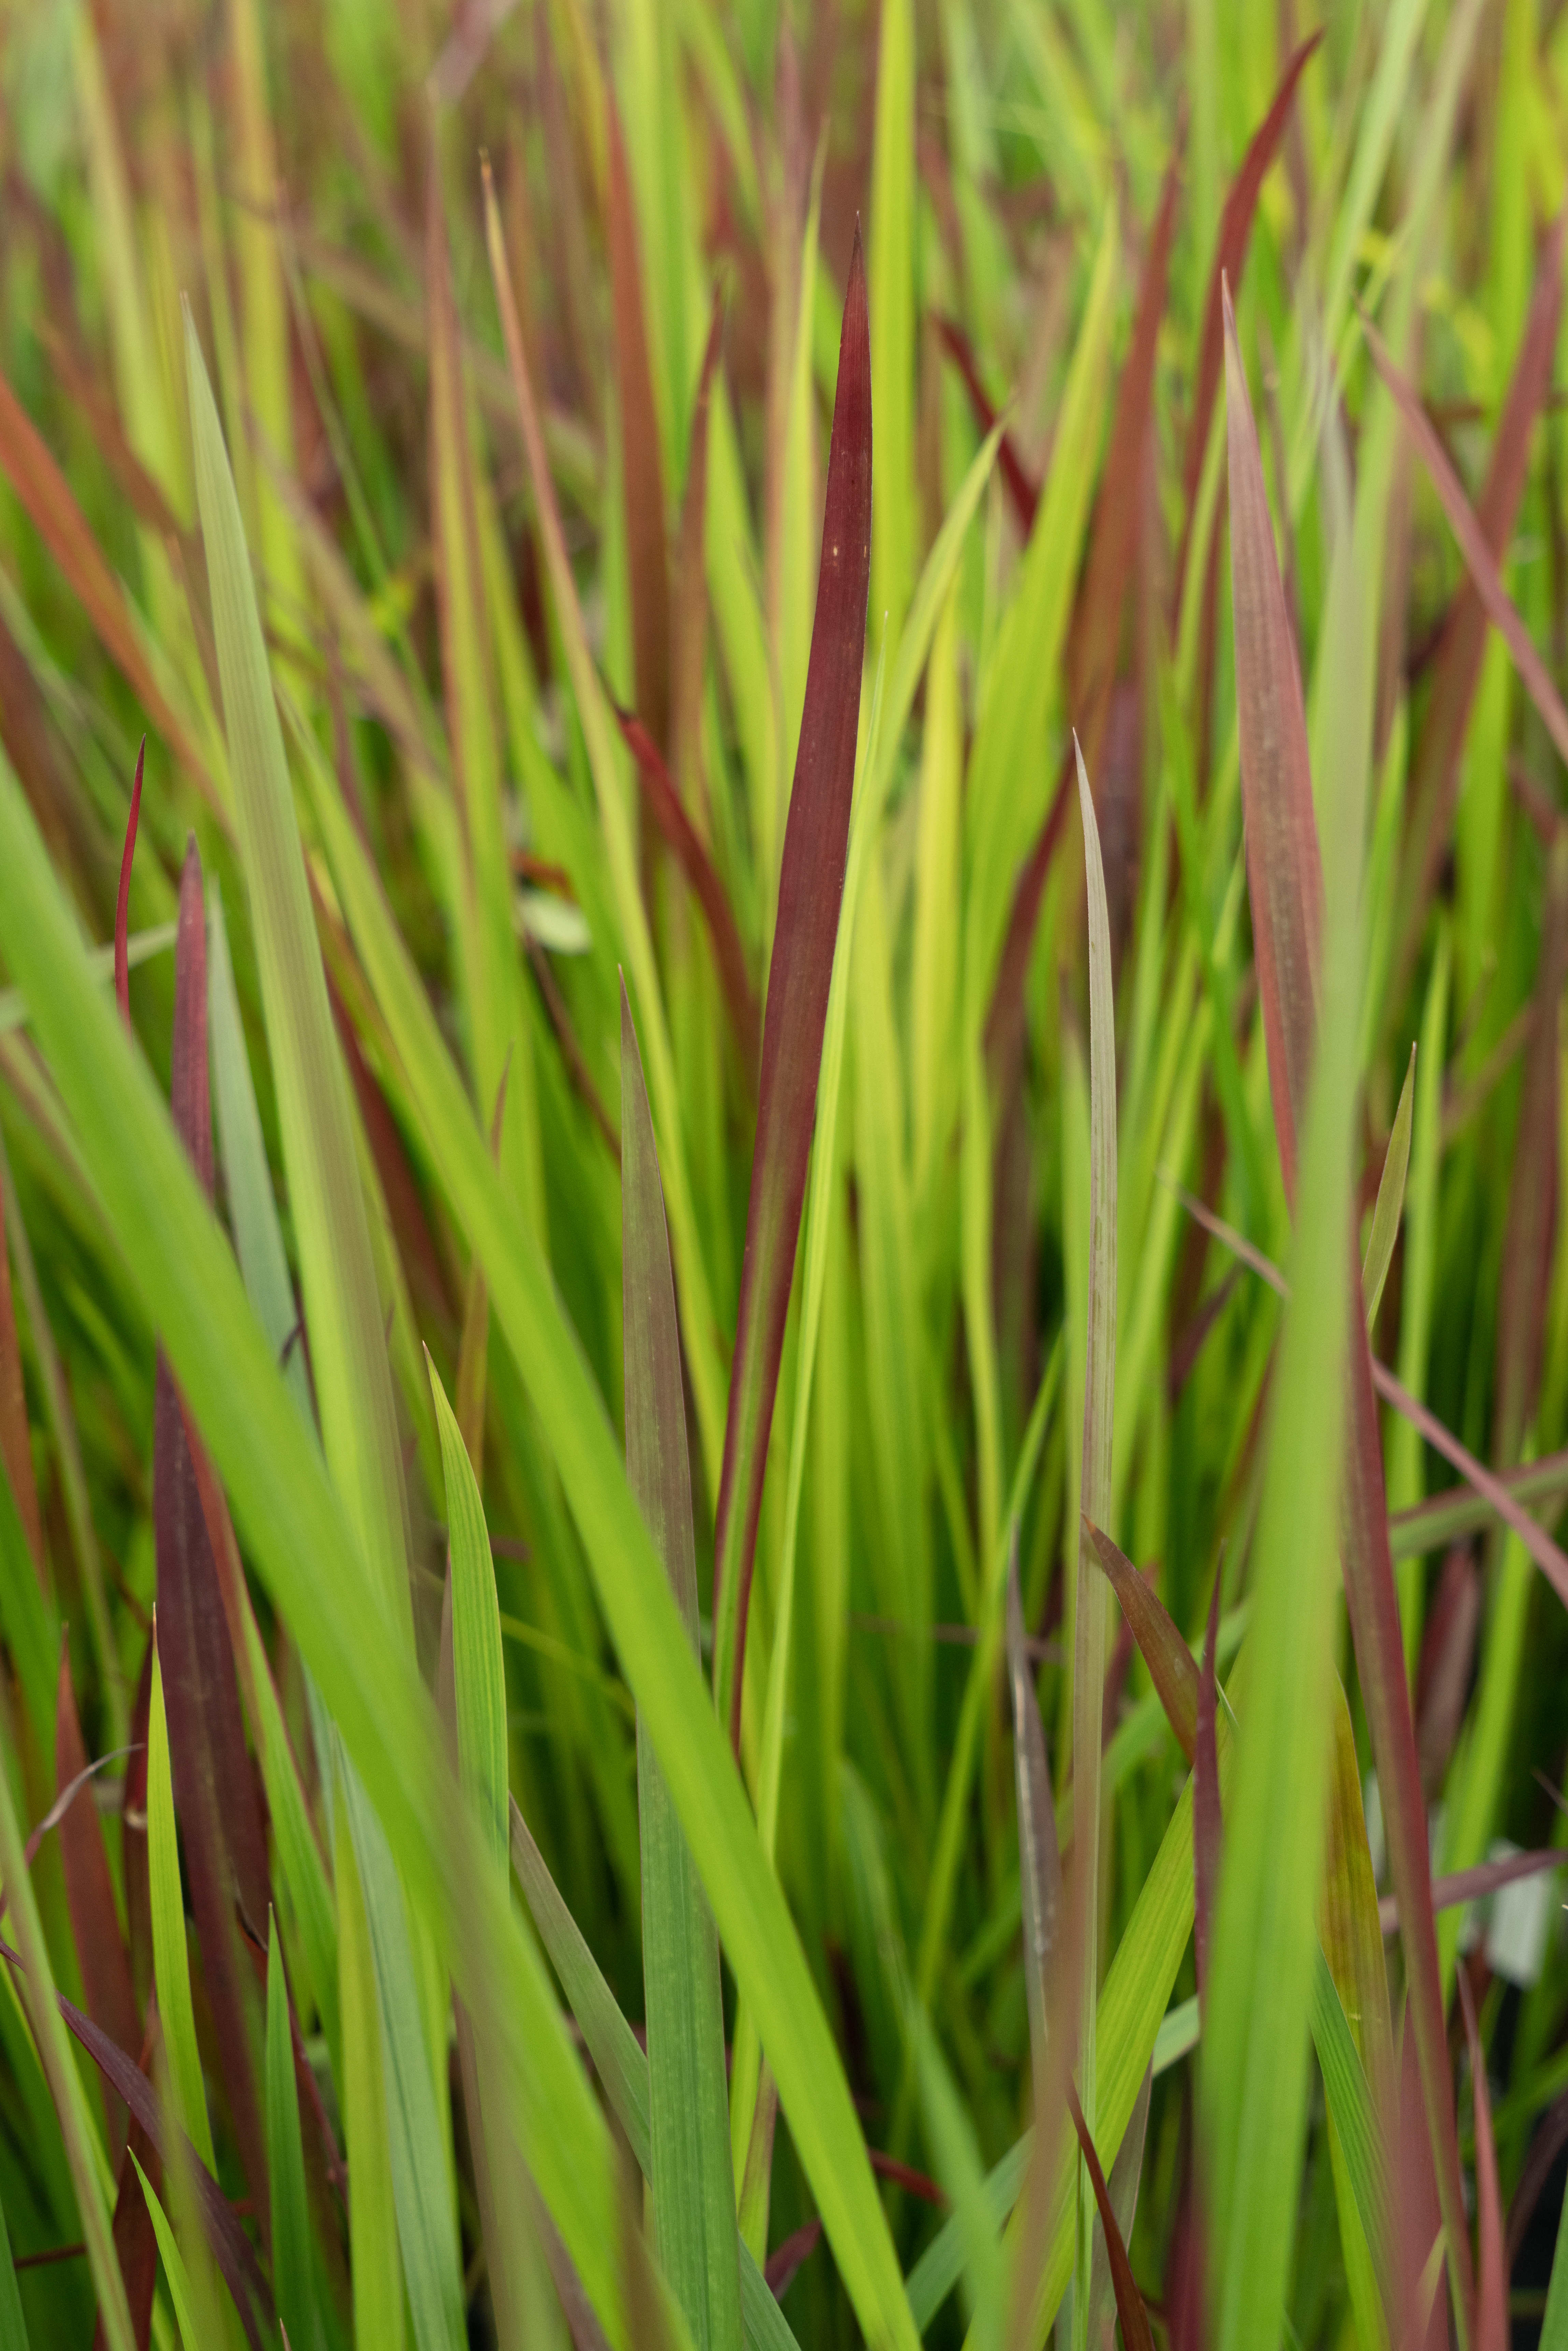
(1207, 1826)
(1483, 534)
(1492, 2331)
(1229, 255)
(1474, 1884)
(90, 1895)
(215, 1792)
(682, 839)
(122, 902)
(1135, 2318)
(1284, 877)
(1165, 1654)
(810, 886)
(642, 466)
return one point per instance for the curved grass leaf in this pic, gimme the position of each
(1169, 1660)
(693, 2200)
(1133, 2318)
(176, 2275)
(478, 1672)
(811, 888)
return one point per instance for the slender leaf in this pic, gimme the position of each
(292, 2278)
(694, 2209)
(1390, 1203)
(174, 2271)
(811, 887)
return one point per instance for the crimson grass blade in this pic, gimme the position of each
(214, 1792)
(122, 902)
(89, 1897)
(1284, 875)
(1135, 2318)
(1229, 257)
(232, 2249)
(810, 886)
(689, 587)
(682, 839)
(1165, 1654)
(1023, 493)
(642, 465)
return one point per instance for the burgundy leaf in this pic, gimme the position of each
(133, 1839)
(1551, 2139)
(1284, 878)
(215, 1792)
(681, 837)
(811, 887)
(1165, 1654)
(232, 2249)
(641, 470)
(1471, 1884)
(1229, 255)
(1135, 2318)
(90, 1895)
(786, 2259)
(122, 903)
(1206, 1817)
(1023, 493)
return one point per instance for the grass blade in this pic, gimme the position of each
(1039, 1859)
(122, 900)
(292, 2278)
(90, 1892)
(1493, 2332)
(1205, 1814)
(1165, 1654)
(694, 2202)
(642, 469)
(1230, 258)
(171, 1962)
(479, 1671)
(174, 2271)
(1135, 2318)
(618, 2058)
(811, 887)
(1390, 1203)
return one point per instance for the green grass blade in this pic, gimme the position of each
(13, 2324)
(617, 2058)
(174, 2271)
(171, 1962)
(1390, 1202)
(694, 2202)
(479, 1671)
(292, 2282)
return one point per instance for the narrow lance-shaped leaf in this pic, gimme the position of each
(617, 2058)
(181, 2294)
(1230, 253)
(1099, 1421)
(1492, 2329)
(1206, 1812)
(1390, 1203)
(1165, 1654)
(214, 1789)
(1285, 887)
(90, 1892)
(810, 885)
(693, 2207)
(1040, 1860)
(1135, 2318)
(642, 469)
(291, 2254)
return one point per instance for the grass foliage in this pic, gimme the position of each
(783, 1256)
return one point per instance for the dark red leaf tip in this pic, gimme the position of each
(122, 903)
